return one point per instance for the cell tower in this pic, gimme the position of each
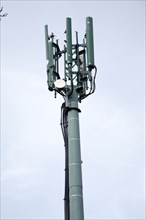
(77, 83)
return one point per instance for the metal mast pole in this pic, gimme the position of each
(77, 84)
(74, 154)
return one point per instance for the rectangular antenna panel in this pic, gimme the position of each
(89, 42)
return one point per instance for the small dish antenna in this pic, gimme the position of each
(59, 83)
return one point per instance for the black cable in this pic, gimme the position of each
(92, 85)
(64, 127)
(60, 92)
(61, 121)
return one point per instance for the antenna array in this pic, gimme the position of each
(79, 68)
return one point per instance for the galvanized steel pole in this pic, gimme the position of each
(74, 151)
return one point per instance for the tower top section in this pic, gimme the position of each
(79, 68)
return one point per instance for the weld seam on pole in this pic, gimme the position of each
(76, 186)
(79, 164)
(74, 139)
(76, 195)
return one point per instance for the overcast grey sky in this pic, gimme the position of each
(112, 121)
